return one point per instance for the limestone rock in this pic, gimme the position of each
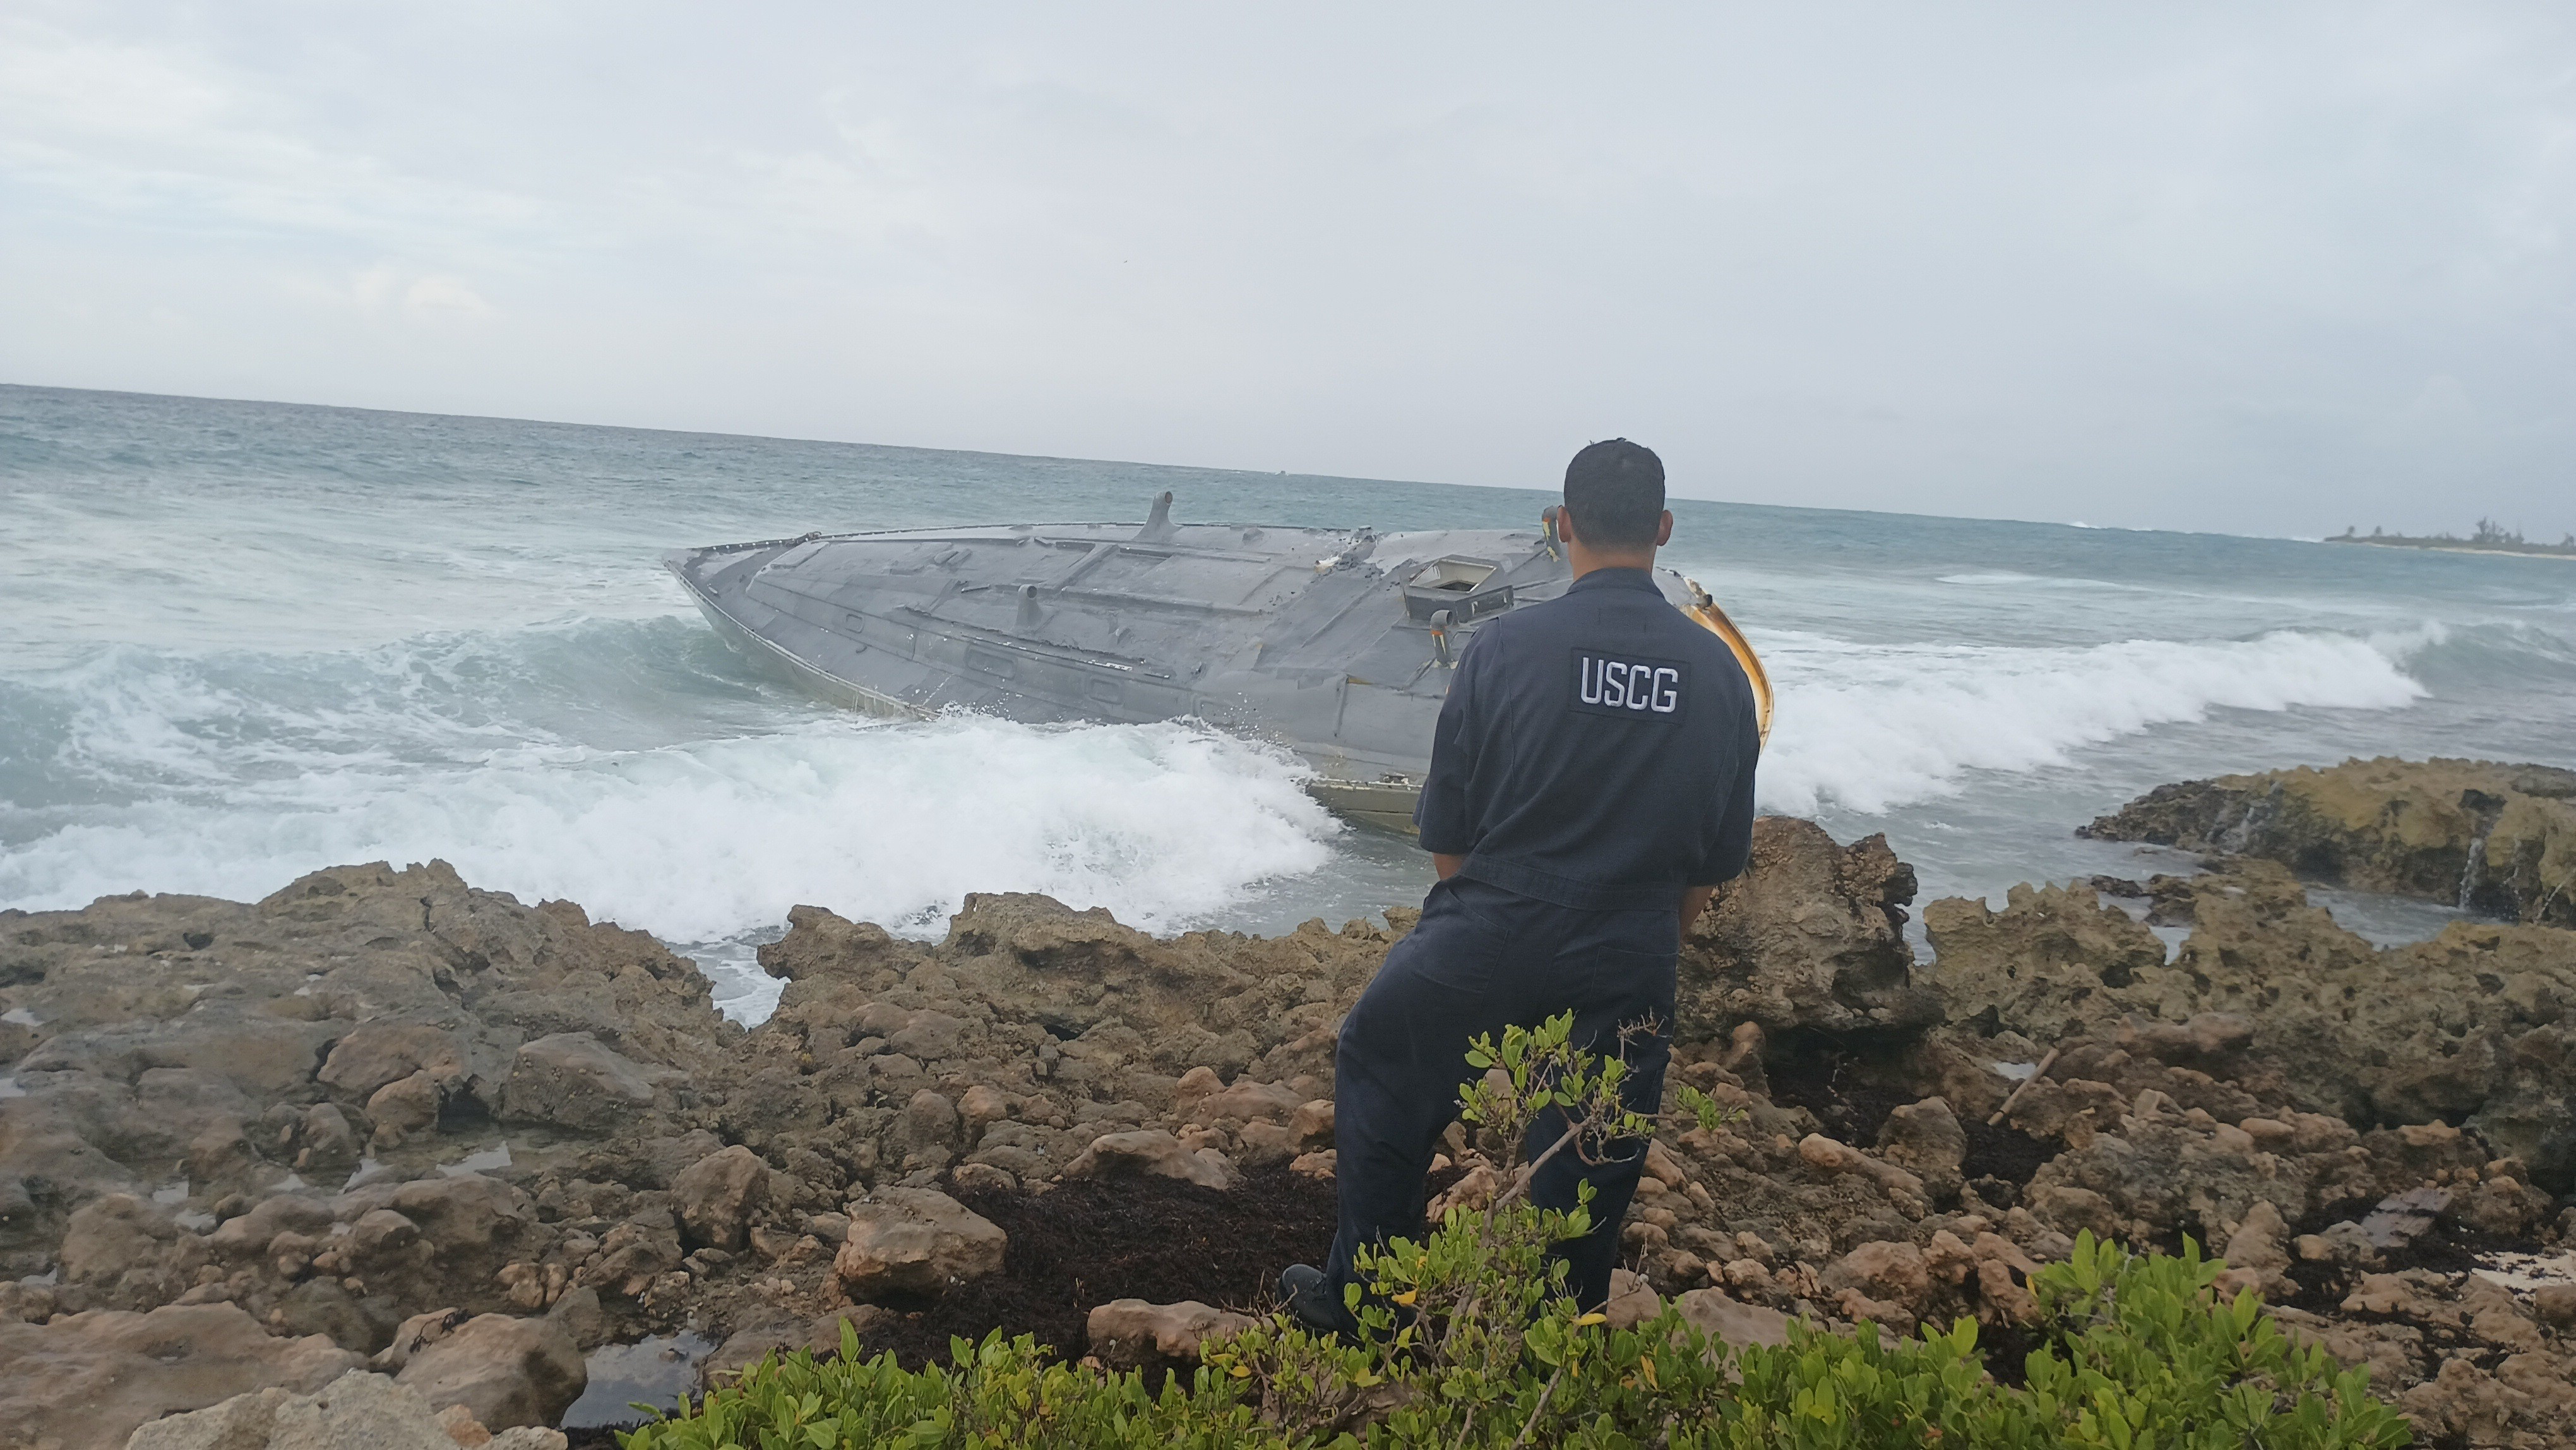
(1151, 1151)
(88, 1380)
(1889, 1271)
(1926, 1140)
(358, 1411)
(915, 1241)
(2258, 1252)
(404, 1106)
(2299, 1013)
(926, 1132)
(1131, 1333)
(1811, 937)
(2039, 963)
(1632, 1300)
(1729, 1321)
(507, 1371)
(571, 1080)
(718, 1196)
(376, 1055)
(2495, 838)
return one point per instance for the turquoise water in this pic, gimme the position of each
(239, 641)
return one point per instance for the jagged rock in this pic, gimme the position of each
(718, 1195)
(1826, 1155)
(238, 1044)
(376, 1055)
(915, 1241)
(1632, 1300)
(2468, 1026)
(1926, 1140)
(572, 1080)
(2155, 1171)
(1063, 1042)
(1893, 1272)
(1811, 937)
(1133, 1334)
(506, 1371)
(2037, 966)
(926, 1132)
(2489, 837)
(1729, 1321)
(1312, 1127)
(357, 1411)
(87, 1380)
(112, 1237)
(2258, 1252)
(1151, 1151)
(404, 1106)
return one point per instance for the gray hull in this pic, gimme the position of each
(1336, 645)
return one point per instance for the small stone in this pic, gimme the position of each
(507, 1371)
(1890, 1270)
(2271, 1135)
(1151, 1151)
(1194, 1084)
(926, 1131)
(718, 1196)
(404, 1106)
(1312, 1127)
(981, 1105)
(463, 1428)
(571, 1080)
(1632, 1300)
(915, 1241)
(1131, 1333)
(1727, 1321)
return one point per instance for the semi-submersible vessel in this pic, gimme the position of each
(1335, 644)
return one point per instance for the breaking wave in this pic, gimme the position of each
(700, 815)
(1872, 727)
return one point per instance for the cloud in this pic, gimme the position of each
(439, 298)
(2193, 267)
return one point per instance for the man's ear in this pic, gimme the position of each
(1564, 523)
(1664, 530)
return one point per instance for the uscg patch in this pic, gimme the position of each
(1630, 687)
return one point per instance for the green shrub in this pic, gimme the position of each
(1470, 1342)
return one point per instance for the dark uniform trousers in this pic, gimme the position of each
(1481, 959)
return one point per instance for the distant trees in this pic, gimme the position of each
(2487, 535)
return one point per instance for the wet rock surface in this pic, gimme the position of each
(2486, 837)
(381, 1108)
(2270, 1005)
(358, 1411)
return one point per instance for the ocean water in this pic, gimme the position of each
(239, 641)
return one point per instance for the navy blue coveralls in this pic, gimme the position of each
(1594, 760)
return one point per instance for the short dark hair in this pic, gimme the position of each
(1615, 490)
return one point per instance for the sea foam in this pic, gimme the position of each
(1162, 824)
(1872, 727)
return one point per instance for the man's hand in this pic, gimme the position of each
(1447, 866)
(1695, 901)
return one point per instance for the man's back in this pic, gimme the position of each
(1596, 751)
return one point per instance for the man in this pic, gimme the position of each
(1591, 784)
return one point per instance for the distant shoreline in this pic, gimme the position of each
(2461, 546)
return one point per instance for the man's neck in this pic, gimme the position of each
(1584, 559)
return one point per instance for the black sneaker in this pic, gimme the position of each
(1308, 1294)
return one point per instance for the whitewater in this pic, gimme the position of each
(241, 641)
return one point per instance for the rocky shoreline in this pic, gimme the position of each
(382, 1120)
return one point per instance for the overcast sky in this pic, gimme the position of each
(2267, 269)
